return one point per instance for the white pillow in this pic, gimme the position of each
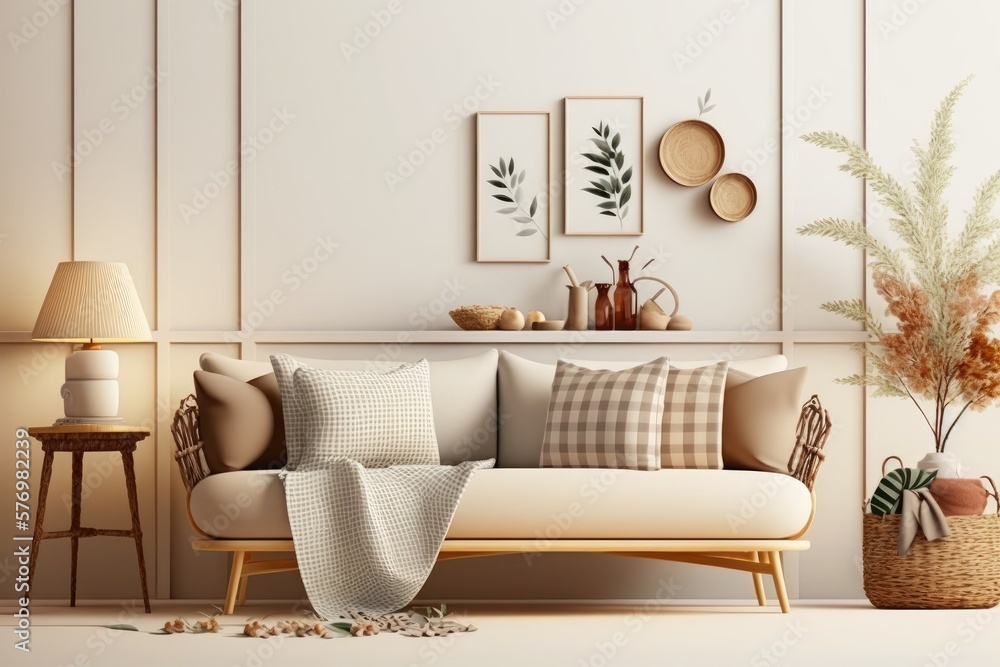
(378, 418)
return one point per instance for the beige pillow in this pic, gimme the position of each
(759, 420)
(605, 419)
(236, 423)
(525, 386)
(464, 393)
(692, 419)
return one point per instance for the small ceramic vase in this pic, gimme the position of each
(946, 463)
(576, 318)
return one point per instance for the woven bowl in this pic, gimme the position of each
(477, 318)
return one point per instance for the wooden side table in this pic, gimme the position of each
(79, 439)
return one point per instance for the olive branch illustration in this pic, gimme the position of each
(512, 193)
(615, 190)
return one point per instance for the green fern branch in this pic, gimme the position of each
(856, 235)
(856, 311)
(980, 225)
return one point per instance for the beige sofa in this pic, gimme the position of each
(493, 405)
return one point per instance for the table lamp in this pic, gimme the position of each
(91, 303)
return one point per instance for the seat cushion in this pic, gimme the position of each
(553, 503)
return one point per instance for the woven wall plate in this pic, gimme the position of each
(692, 152)
(733, 197)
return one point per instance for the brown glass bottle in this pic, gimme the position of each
(604, 312)
(625, 299)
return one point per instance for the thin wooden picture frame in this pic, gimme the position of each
(586, 211)
(513, 219)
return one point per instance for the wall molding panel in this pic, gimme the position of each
(157, 196)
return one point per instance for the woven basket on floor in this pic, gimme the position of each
(961, 571)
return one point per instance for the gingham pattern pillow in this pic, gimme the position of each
(377, 418)
(692, 419)
(605, 419)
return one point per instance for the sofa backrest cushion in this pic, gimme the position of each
(463, 394)
(598, 419)
(237, 425)
(525, 387)
(377, 418)
(759, 417)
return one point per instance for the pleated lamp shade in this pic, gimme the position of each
(91, 302)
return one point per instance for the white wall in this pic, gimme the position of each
(239, 264)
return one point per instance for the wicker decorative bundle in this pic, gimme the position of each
(961, 571)
(477, 318)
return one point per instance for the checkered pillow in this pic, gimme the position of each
(605, 419)
(377, 418)
(692, 421)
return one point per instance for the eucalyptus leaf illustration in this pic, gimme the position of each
(512, 192)
(615, 190)
(703, 105)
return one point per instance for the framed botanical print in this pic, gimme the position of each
(513, 170)
(604, 169)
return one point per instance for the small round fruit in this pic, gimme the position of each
(511, 320)
(534, 316)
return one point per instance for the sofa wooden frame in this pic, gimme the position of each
(758, 557)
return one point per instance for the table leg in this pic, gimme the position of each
(133, 502)
(75, 525)
(43, 492)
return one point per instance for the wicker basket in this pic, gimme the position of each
(477, 318)
(961, 571)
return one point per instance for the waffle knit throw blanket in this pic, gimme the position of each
(367, 538)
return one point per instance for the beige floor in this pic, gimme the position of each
(815, 634)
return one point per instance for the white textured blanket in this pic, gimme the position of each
(367, 538)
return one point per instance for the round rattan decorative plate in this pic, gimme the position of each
(692, 152)
(733, 197)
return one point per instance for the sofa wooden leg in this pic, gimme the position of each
(241, 596)
(779, 580)
(235, 576)
(758, 582)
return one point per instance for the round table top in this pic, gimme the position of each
(67, 429)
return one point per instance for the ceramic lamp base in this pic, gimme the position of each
(90, 393)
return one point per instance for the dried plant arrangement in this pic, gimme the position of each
(941, 355)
